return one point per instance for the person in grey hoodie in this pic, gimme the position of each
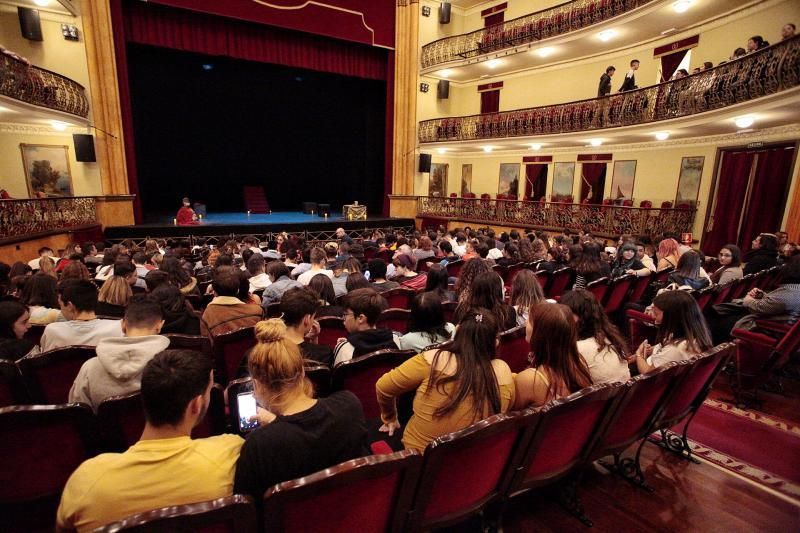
(118, 367)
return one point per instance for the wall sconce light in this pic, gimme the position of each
(70, 32)
(424, 87)
(426, 11)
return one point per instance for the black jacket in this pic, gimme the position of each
(758, 260)
(629, 84)
(605, 85)
(371, 340)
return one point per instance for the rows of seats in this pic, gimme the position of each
(476, 469)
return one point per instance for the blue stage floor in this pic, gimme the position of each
(284, 217)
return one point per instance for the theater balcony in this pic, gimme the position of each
(572, 30)
(39, 94)
(765, 82)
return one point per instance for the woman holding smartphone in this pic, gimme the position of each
(297, 434)
(682, 332)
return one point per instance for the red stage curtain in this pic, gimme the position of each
(734, 174)
(669, 64)
(490, 101)
(185, 30)
(535, 181)
(763, 215)
(593, 178)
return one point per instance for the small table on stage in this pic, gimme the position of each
(354, 212)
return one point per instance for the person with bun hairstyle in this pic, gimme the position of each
(557, 368)
(298, 434)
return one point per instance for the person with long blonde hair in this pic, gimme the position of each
(297, 434)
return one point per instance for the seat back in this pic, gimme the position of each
(331, 329)
(514, 349)
(359, 375)
(564, 436)
(121, 420)
(399, 298)
(235, 513)
(464, 471)
(49, 375)
(640, 287)
(214, 422)
(559, 281)
(642, 398)
(394, 319)
(40, 447)
(12, 388)
(454, 268)
(34, 334)
(618, 292)
(758, 354)
(599, 288)
(229, 349)
(703, 297)
(691, 391)
(319, 376)
(449, 309)
(370, 494)
(543, 277)
(742, 286)
(199, 343)
(662, 276)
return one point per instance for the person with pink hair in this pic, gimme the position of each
(668, 254)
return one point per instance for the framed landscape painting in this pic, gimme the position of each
(437, 186)
(622, 181)
(509, 179)
(563, 176)
(689, 180)
(47, 171)
(466, 179)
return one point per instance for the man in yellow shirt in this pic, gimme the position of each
(166, 467)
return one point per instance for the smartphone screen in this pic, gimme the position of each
(246, 404)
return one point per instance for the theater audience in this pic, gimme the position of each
(762, 255)
(278, 273)
(788, 31)
(377, 275)
(526, 292)
(730, 260)
(682, 332)
(438, 282)
(48, 266)
(41, 297)
(590, 266)
(106, 269)
(510, 255)
(667, 254)
(78, 300)
(487, 292)
(406, 274)
(600, 343)
(644, 257)
(690, 272)
(298, 309)
(166, 467)
(627, 262)
(318, 261)
(323, 288)
(14, 324)
(116, 291)
(179, 316)
(469, 271)
(557, 368)
(258, 277)
(178, 275)
(44, 251)
(118, 367)
(362, 309)
(426, 324)
(456, 385)
(226, 312)
(425, 250)
(298, 434)
(75, 270)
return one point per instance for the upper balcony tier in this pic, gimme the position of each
(753, 77)
(36, 86)
(570, 31)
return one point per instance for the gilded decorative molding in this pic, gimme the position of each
(320, 4)
(37, 129)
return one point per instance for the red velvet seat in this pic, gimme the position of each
(723, 293)
(199, 343)
(320, 376)
(599, 288)
(34, 334)
(234, 513)
(559, 281)
(704, 296)
(757, 356)
(386, 255)
(331, 329)
(514, 349)
(618, 293)
(229, 349)
(369, 495)
(646, 204)
(639, 288)
(640, 327)
(121, 420)
(666, 204)
(359, 375)
(467, 470)
(627, 202)
(511, 273)
(214, 422)
(49, 375)
(543, 277)
(399, 298)
(40, 447)
(12, 388)
(453, 195)
(454, 268)
(394, 319)
(449, 309)
(274, 309)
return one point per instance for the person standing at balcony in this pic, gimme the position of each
(605, 82)
(788, 31)
(630, 78)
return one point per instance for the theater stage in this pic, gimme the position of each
(223, 224)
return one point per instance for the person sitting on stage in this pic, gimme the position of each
(226, 312)
(186, 216)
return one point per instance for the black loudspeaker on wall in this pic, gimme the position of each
(84, 147)
(444, 13)
(424, 162)
(29, 23)
(443, 90)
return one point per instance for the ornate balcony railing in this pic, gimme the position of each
(601, 220)
(557, 20)
(40, 215)
(37, 86)
(768, 71)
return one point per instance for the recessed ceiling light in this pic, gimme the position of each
(494, 63)
(546, 51)
(487, 149)
(441, 150)
(58, 125)
(446, 73)
(41, 3)
(536, 146)
(681, 6)
(606, 35)
(744, 122)
(662, 135)
(595, 142)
